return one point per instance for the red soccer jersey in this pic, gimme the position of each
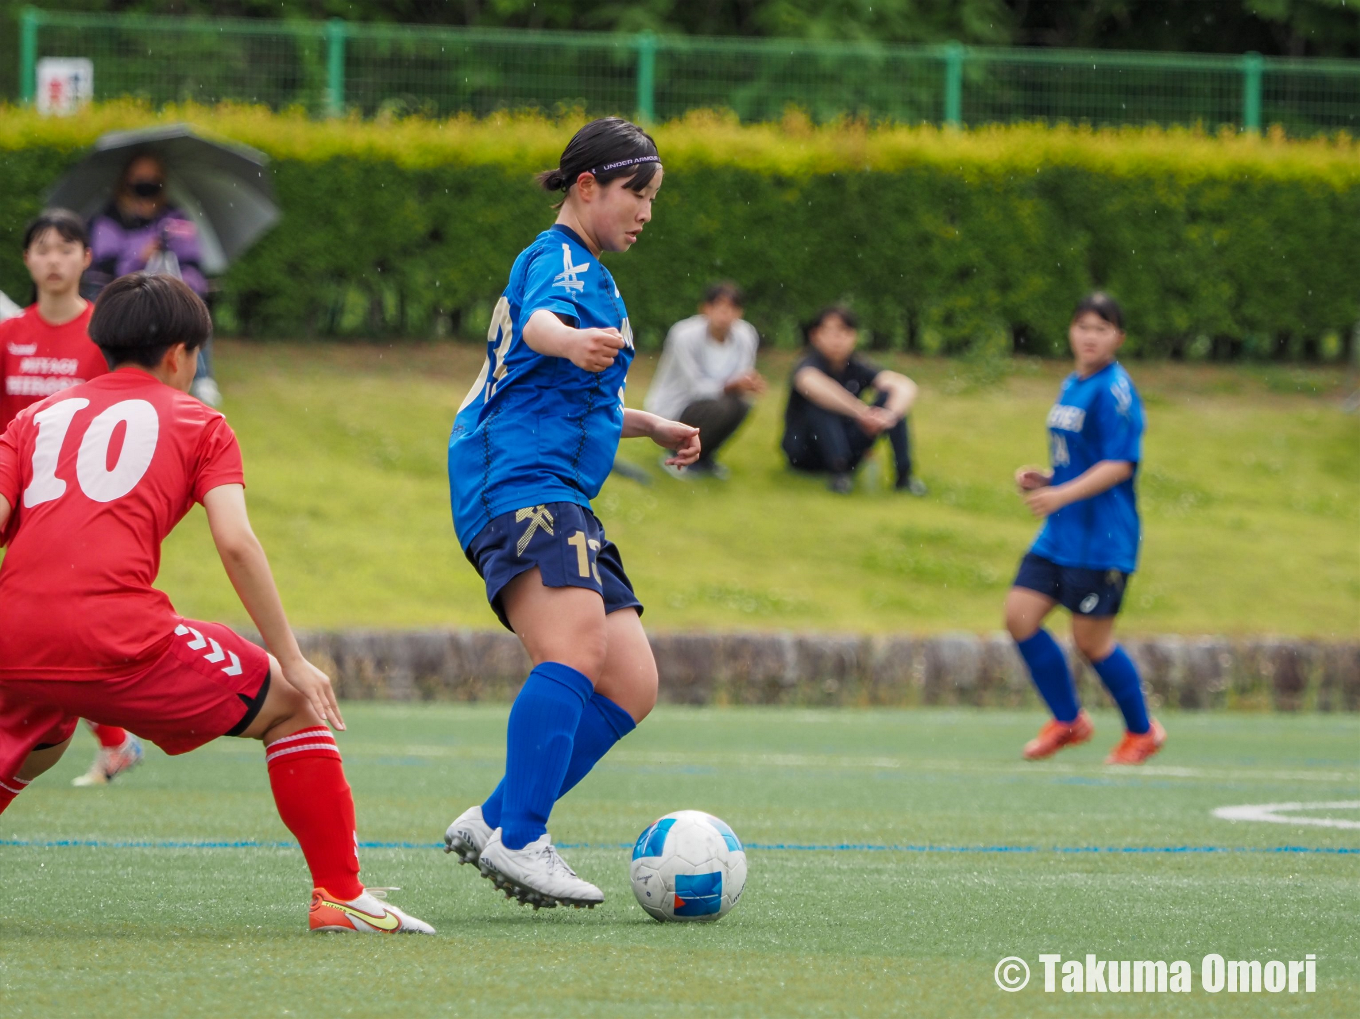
(38, 359)
(97, 476)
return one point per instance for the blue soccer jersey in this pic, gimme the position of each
(1096, 418)
(536, 429)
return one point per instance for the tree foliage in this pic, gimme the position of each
(1273, 27)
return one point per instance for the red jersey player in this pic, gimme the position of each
(92, 479)
(46, 350)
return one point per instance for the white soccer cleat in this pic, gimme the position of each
(536, 874)
(110, 762)
(468, 835)
(367, 914)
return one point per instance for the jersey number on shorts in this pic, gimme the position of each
(97, 480)
(585, 562)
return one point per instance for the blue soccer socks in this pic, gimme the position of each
(1121, 678)
(1048, 667)
(603, 723)
(538, 748)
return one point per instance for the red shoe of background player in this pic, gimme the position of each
(1056, 735)
(1135, 748)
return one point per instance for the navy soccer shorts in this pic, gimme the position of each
(567, 544)
(1083, 592)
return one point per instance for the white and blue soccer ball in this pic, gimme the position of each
(688, 866)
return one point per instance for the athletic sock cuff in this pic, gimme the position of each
(314, 742)
(564, 675)
(619, 720)
(1038, 639)
(1109, 659)
(14, 786)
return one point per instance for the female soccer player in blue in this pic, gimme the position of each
(531, 445)
(1088, 547)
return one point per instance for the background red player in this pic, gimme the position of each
(43, 351)
(92, 479)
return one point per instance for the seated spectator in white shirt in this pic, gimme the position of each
(707, 373)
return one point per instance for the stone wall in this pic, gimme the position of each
(1257, 673)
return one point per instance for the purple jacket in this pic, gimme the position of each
(117, 243)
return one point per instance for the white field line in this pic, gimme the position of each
(853, 762)
(1272, 812)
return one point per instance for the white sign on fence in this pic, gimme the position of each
(65, 84)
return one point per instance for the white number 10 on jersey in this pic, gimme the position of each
(97, 480)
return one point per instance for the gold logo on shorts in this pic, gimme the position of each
(538, 516)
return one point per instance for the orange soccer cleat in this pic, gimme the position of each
(1056, 735)
(1137, 747)
(364, 915)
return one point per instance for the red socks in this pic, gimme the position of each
(110, 736)
(10, 788)
(315, 802)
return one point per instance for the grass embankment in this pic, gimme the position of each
(1250, 493)
(980, 856)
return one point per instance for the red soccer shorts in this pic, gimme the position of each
(210, 682)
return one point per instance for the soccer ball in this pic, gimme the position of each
(688, 866)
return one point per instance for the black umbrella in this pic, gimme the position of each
(223, 187)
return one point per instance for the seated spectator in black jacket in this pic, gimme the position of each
(828, 426)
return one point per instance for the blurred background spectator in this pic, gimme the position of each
(707, 375)
(139, 230)
(828, 427)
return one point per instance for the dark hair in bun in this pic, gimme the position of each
(610, 148)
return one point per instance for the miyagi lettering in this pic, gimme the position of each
(1069, 419)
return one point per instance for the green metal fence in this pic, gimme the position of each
(333, 67)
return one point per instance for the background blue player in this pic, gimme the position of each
(1088, 547)
(532, 443)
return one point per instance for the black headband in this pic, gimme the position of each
(620, 164)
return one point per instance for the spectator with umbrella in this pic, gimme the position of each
(166, 199)
(140, 231)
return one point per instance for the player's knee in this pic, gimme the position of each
(1094, 647)
(284, 712)
(1021, 624)
(586, 653)
(644, 694)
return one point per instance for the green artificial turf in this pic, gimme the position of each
(979, 872)
(1250, 490)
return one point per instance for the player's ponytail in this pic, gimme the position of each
(610, 148)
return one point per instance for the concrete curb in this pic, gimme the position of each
(1197, 673)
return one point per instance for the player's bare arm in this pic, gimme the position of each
(247, 567)
(1101, 477)
(591, 350)
(683, 438)
(750, 382)
(1030, 477)
(827, 393)
(901, 393)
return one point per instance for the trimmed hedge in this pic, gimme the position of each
(945, 240)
